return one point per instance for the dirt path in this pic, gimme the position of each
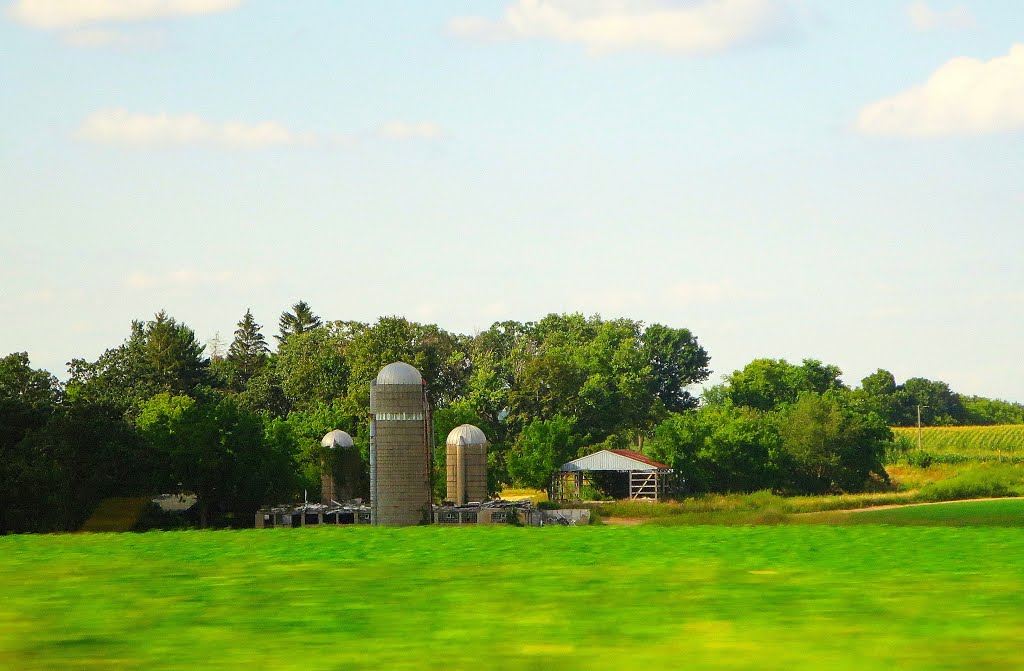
(908, 505)
(636, 521)
(625, 521)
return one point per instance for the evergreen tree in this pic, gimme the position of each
(173, 354)
(248, 352)
(299, 320)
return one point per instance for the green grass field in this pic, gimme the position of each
(860, 597)
(970, 443)
(999, 513)
(996, 513)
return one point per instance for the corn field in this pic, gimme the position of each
(970, 443)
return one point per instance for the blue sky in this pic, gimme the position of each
(787, 179)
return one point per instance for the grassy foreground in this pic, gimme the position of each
(858, 597)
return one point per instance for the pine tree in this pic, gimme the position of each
(248, 352)
(172, 354)
(299, 320)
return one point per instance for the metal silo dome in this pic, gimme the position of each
(469, 434)
(399, 372)
(337, 438)
(466, 451)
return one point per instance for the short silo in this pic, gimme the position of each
(467, 464)
(400, 439)
(340, 468)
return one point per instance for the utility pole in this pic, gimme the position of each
(216, 347)
(919, 406)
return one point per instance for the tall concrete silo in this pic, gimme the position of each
(339, 471)
(400, 439)
(467, 464)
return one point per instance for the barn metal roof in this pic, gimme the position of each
(614, 460)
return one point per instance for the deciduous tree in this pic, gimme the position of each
(829, 446)
(541, 449)
(720, 448)
(767, 384)
(218, 452)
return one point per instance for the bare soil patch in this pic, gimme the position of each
(624, 521)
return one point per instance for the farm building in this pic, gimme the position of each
(401, 465)
(498, 511)
(313, 514)
(484, 513)
(466, 447)
(487, 512)
(635, 473)
(343, 459)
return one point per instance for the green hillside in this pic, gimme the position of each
(954, 444)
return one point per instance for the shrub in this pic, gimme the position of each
(591, 493)
(899, 448)
(980, 483)
(920, 459)
(761, 500)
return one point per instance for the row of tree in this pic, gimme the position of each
(241, 427)
(799, 428)
(765, 384)
(781, 426)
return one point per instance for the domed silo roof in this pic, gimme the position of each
(468, 434)
(399, 373)
(337, 438)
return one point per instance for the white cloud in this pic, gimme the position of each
(404, 130)
(266, 134)
(966, 95)
(191, 278)
(120, 127)
(607, 25)
(65, 14)
(923, 17)
(37, 296)
(128, 129)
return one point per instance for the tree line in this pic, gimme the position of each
(241, 428)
